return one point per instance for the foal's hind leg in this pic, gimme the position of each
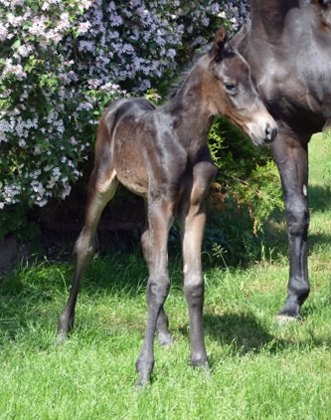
(162, 327)
(101, 190)
(160, 219)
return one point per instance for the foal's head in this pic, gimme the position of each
(232, 92)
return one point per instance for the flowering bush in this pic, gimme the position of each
(62, 61)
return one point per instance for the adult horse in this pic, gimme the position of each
(288, 46)
(161, 154)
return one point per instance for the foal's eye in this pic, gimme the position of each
(230, 87)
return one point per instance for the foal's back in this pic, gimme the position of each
(143, 146)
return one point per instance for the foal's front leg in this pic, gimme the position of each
(192, 220)
(192, 229)
(160, 220)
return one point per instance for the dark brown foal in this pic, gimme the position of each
(161, 154)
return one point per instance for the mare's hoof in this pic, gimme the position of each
(289, 313)
(283, 319)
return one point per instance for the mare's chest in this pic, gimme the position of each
(298, 89)
(294, 76)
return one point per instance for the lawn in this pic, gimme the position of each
(258, 369)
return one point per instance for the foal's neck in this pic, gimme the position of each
(191, 113)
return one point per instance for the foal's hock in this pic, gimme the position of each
(161, 154)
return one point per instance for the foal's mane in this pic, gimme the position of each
(175, 87)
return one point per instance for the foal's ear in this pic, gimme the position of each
(220, 40)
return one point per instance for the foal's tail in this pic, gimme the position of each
(103, 176)
(102, 150)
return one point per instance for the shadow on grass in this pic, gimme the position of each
(243, 330)
(240, 334)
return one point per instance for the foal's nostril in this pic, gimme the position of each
(271, 133)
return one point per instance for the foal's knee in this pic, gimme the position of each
(204, 174)
(205, 171)
(158, 290)
(194, 291)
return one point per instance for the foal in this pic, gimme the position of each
(161, 154)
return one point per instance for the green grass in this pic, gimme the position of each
(258, 370)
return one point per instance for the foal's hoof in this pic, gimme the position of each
(202, 368)
(141, 383)
(144, 379)
(200, 364)
(144, 371)
(165, 339)
(61, 338)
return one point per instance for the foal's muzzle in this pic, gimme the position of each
(263, 129)
(271, 133)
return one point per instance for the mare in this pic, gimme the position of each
(161, 154)
(288, 46)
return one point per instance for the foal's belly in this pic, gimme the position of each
(148, 159)
(131, 172)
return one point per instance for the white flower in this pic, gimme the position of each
(3, 32)
(83, 27)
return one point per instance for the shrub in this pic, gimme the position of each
(246, 193)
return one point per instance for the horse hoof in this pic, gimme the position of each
(283, 319)
(202, 368)
(141, 383)
(60, 339)
(144, 371)
(200, 363)
(143, 380)
(165, 339)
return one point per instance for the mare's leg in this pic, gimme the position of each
(160, 219)
(102, 187)
(291, 157)
(192, 219)
(162, 327)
